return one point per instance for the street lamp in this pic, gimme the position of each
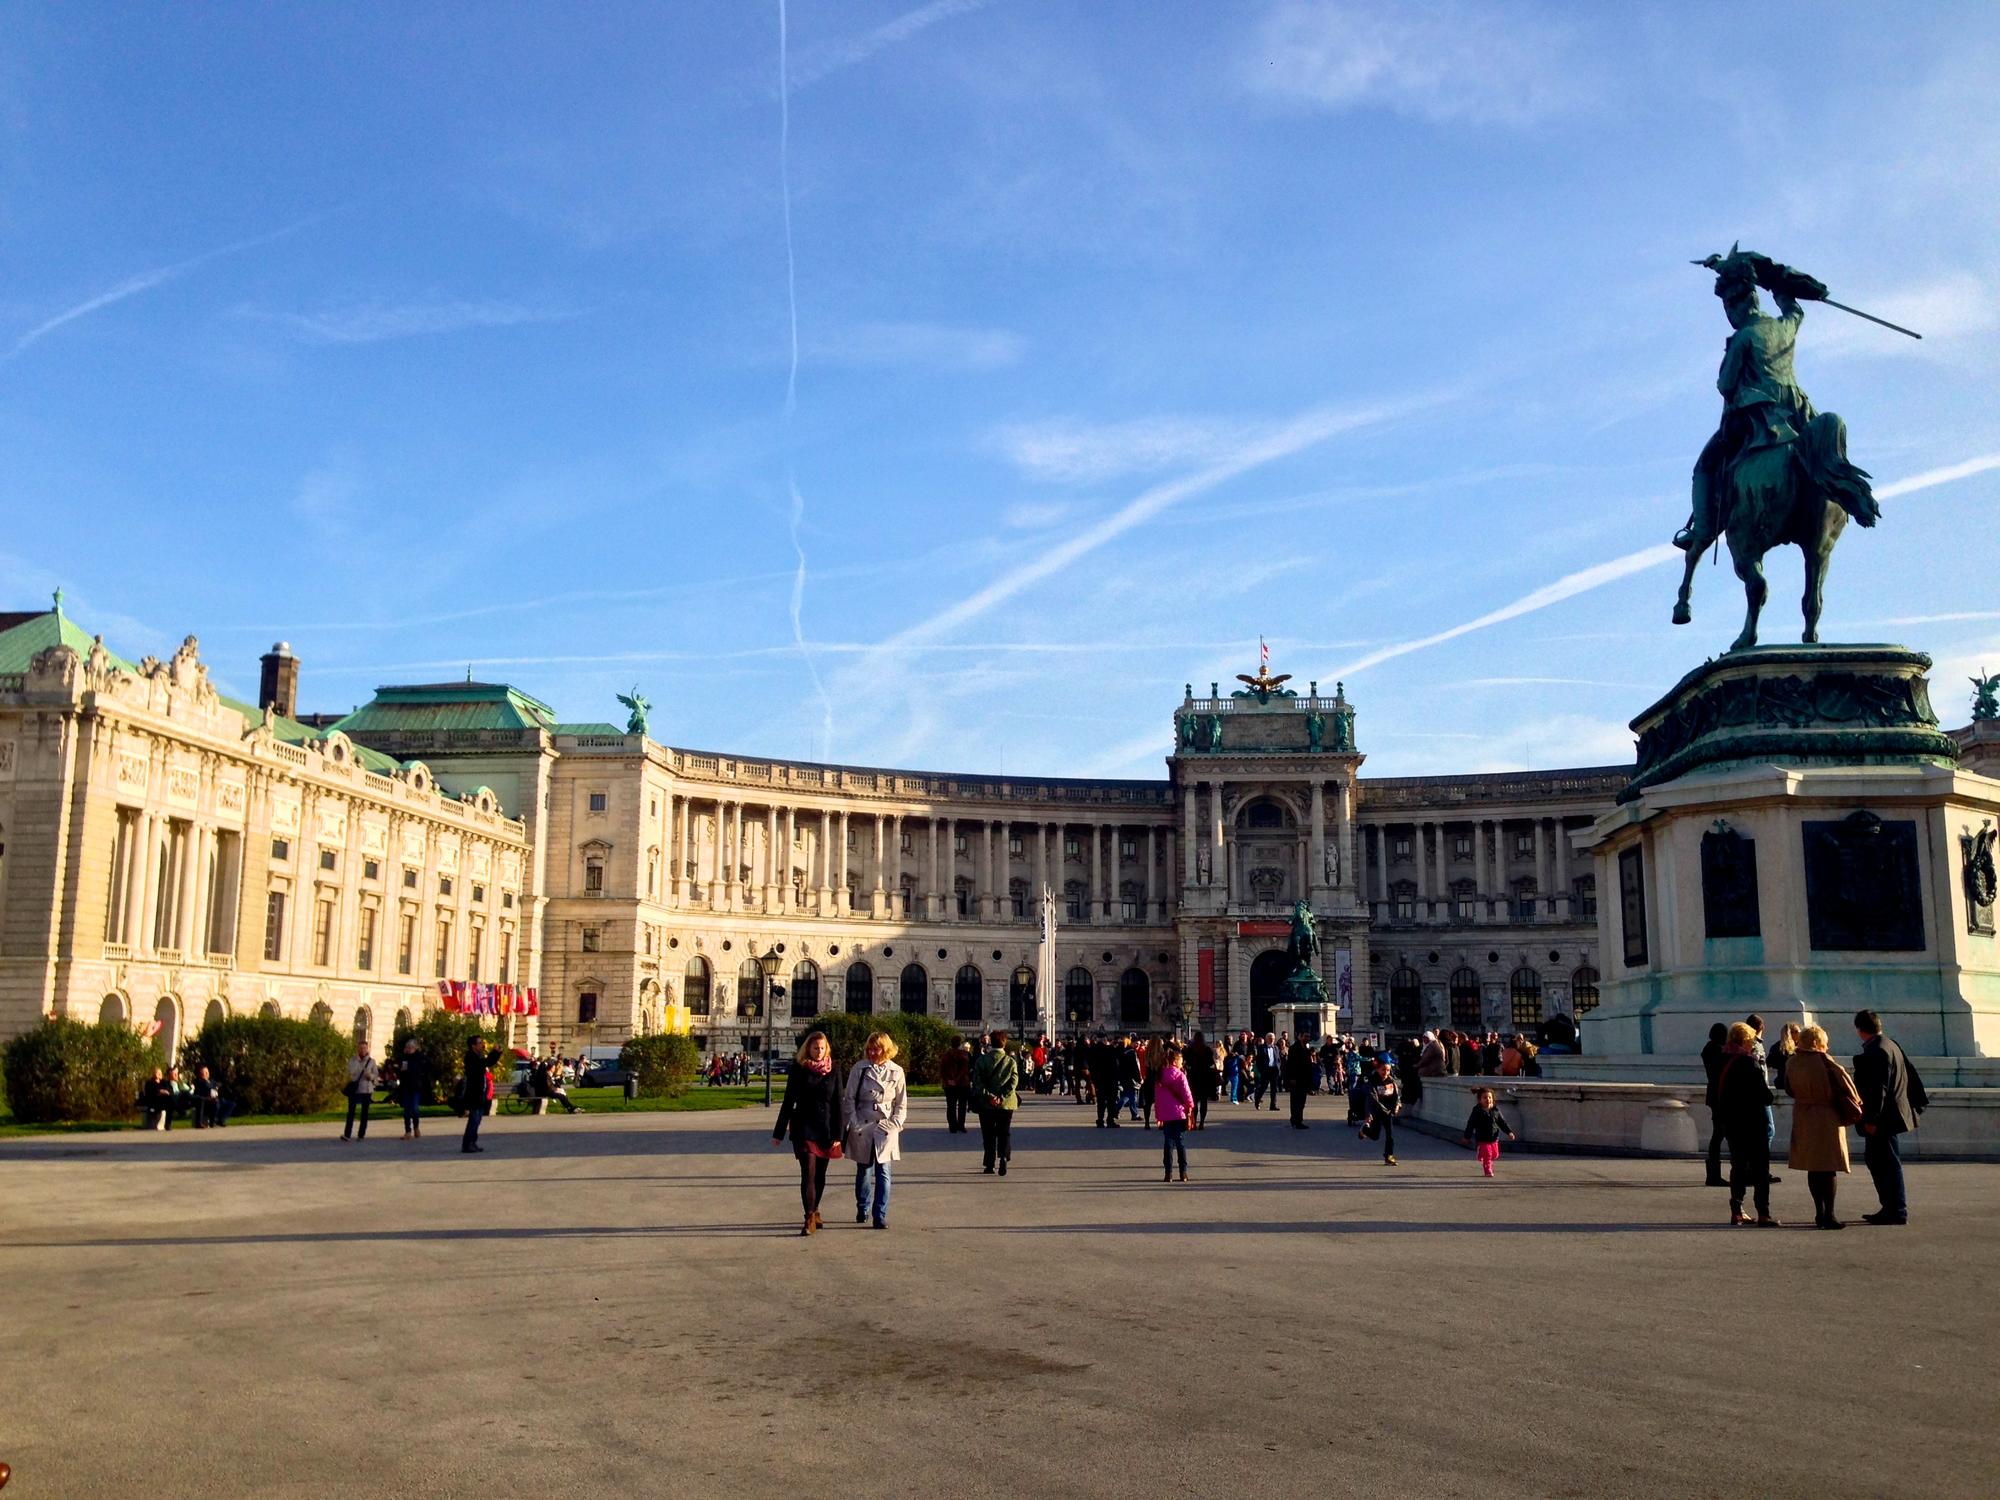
(1024, 986)
(769, 963)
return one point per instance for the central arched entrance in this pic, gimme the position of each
(1267, 986)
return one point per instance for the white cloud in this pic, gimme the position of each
(1931, 478)
(1082, 453)
(933, 346)
(1946, 310)
(1438, 61)
(380, 322)
(1035, 515)
(815, 63)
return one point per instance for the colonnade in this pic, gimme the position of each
(1329, 861)
(729, 854)
(1491, 864)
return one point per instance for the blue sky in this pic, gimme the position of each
(421, 336)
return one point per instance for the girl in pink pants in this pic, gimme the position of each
(1483, 1129)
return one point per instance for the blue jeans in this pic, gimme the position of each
(412, 1111)
(1128, 1098)
(880, 1212)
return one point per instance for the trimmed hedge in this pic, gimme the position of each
(272, 1065)
(664, 1065)
(921, 1041)
(65, 1070)
(442, 1038)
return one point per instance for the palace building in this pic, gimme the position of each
(167, 855)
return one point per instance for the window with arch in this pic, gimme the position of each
(1017, 898)
(1135, 998)
(321, 1012)
(914, 990)
(364, 1026)
(269, 1009)
(1583, 989)
(1406, 999)
(1075, 900)
(112, 1011)
(860, 990)
(749, 988)
(1131, 900)
(217, 1013)
(694, 986)
(1079, 997)
(1465, 1007)
(1524, 997)
(805, 988)
(1264, 813)
(968, 995)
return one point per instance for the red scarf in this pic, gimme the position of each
(823, 1067)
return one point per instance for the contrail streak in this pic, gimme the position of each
(792, 382)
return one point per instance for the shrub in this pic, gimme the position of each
(442, 1039)
(272, 1065)
(920, 1040)
(663, 1064)
(65, 1070)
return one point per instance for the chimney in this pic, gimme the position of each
(278, 682)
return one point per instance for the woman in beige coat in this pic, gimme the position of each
(1820, 1089)
(877, 1106)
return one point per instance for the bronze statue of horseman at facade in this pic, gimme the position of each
(1776, 472)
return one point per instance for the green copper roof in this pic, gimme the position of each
(590, 729)
(25, 636)
(448, 705)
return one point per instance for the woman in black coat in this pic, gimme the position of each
(812, 1110)
(1203, 1081)
(1742, 1104)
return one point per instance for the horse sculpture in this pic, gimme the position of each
(1776, 473)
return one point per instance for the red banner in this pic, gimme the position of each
(1264, 929)
(1205, 981)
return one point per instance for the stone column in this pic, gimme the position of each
(1562, 896)
(1093, 830)
(822, 865)
(1423, 871)
(948, 884)
(770, 901)
(1381, 861)
(1478, 869)
(677, 847)
(1153, 912)
(149, 879)
(1316, 874)
(1218, 857)
(135, 876)
(1346, 840)
(930, 905)
(879, 907)
(786, 899)
(1041, 863)
(1542, 908)
(1189, 791)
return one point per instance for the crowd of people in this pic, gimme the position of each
(1883, 1098)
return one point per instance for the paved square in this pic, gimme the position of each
(621, 1305)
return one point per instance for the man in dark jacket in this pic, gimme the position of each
(475, 1092)
(955, 1073)
(1298, 1078)
(1711, 1065)
(1270, 1068)
(1892, 1097)
(1104, 1081)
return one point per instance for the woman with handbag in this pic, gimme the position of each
(1824, 1103)
(812, 1110)
(876, 1102)
(362, 1077)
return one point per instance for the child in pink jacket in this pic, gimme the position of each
(1173, 1102)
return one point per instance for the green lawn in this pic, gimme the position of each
(593, 1101)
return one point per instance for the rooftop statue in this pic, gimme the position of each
(1986, 697)
(638, 703)
(1776, 472)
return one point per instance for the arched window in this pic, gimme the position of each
(322, 1013)
(1017, 897)
(1264, 813)
(1465, 1009)
(860, 990)
(364, 1027)
(167, 1038)
(405, 1022)
(269, 1009)
(1079, 997)
(1074, 900)
(968, 996)
(1524, 995)
(214, 1015)
(112, 1011)
(694, 986)
(1406, 999)
(805, 988)
(749, 988)
(916, 990)
(1135, 998)
(1583, 989)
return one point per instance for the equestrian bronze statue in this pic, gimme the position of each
(1776, 472)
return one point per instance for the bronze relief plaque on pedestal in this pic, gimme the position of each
(1862, 889)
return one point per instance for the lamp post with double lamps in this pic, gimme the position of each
(770, 962)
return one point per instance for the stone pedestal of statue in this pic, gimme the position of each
(1798, 840)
